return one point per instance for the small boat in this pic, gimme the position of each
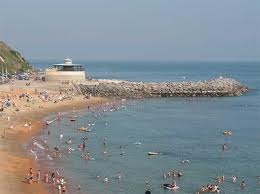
(170, 187)
(85, 129)
(152, 153)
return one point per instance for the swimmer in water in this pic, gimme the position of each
(69, 141)
(164, 176)
(185, 161)
(173, 183)
(106, 179)
(242, 184)
(119, 176)
(234, 178)
(224, 146)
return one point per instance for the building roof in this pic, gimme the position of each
(65, 64)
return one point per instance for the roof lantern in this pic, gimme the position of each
(67, 61)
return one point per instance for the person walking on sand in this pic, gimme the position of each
(38, 176)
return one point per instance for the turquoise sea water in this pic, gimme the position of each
(177, 128)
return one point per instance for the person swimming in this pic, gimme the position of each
(173, 183)
(104, 142)
(119, 176)
(242, 184)
(69, 141)
(234, 178)
(56, 148)
(185, 161)
(106, 179)
(164, 176)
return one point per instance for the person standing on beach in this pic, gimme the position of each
(3, 136)
(46, 178)
(30, 176)
(53, 178)
(63, 189)
(38, 176)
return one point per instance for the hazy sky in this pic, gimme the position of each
(133, 29)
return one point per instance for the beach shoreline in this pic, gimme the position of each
(15, 161)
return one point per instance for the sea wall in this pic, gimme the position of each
(125, 89)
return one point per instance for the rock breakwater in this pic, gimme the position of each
(125, 89)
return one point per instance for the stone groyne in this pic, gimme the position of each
(125, 89)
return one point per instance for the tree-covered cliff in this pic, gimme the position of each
(12, 60)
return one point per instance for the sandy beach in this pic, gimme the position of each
(30, 103)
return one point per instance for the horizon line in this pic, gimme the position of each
(149, 60)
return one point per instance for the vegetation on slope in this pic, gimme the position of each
(12, 60)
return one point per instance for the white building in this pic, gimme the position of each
(66, 71)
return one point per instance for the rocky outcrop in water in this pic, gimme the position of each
(125, 89)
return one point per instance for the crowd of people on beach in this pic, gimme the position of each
(53, 178)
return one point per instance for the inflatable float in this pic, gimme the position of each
(170, 187)
(50, 122)
(152, 153)
(85, 129)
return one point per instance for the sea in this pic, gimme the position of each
(177, 128)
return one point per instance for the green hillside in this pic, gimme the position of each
(12, 60)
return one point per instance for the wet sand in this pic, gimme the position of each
(14, 161)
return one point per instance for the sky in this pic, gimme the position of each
(167, 30)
